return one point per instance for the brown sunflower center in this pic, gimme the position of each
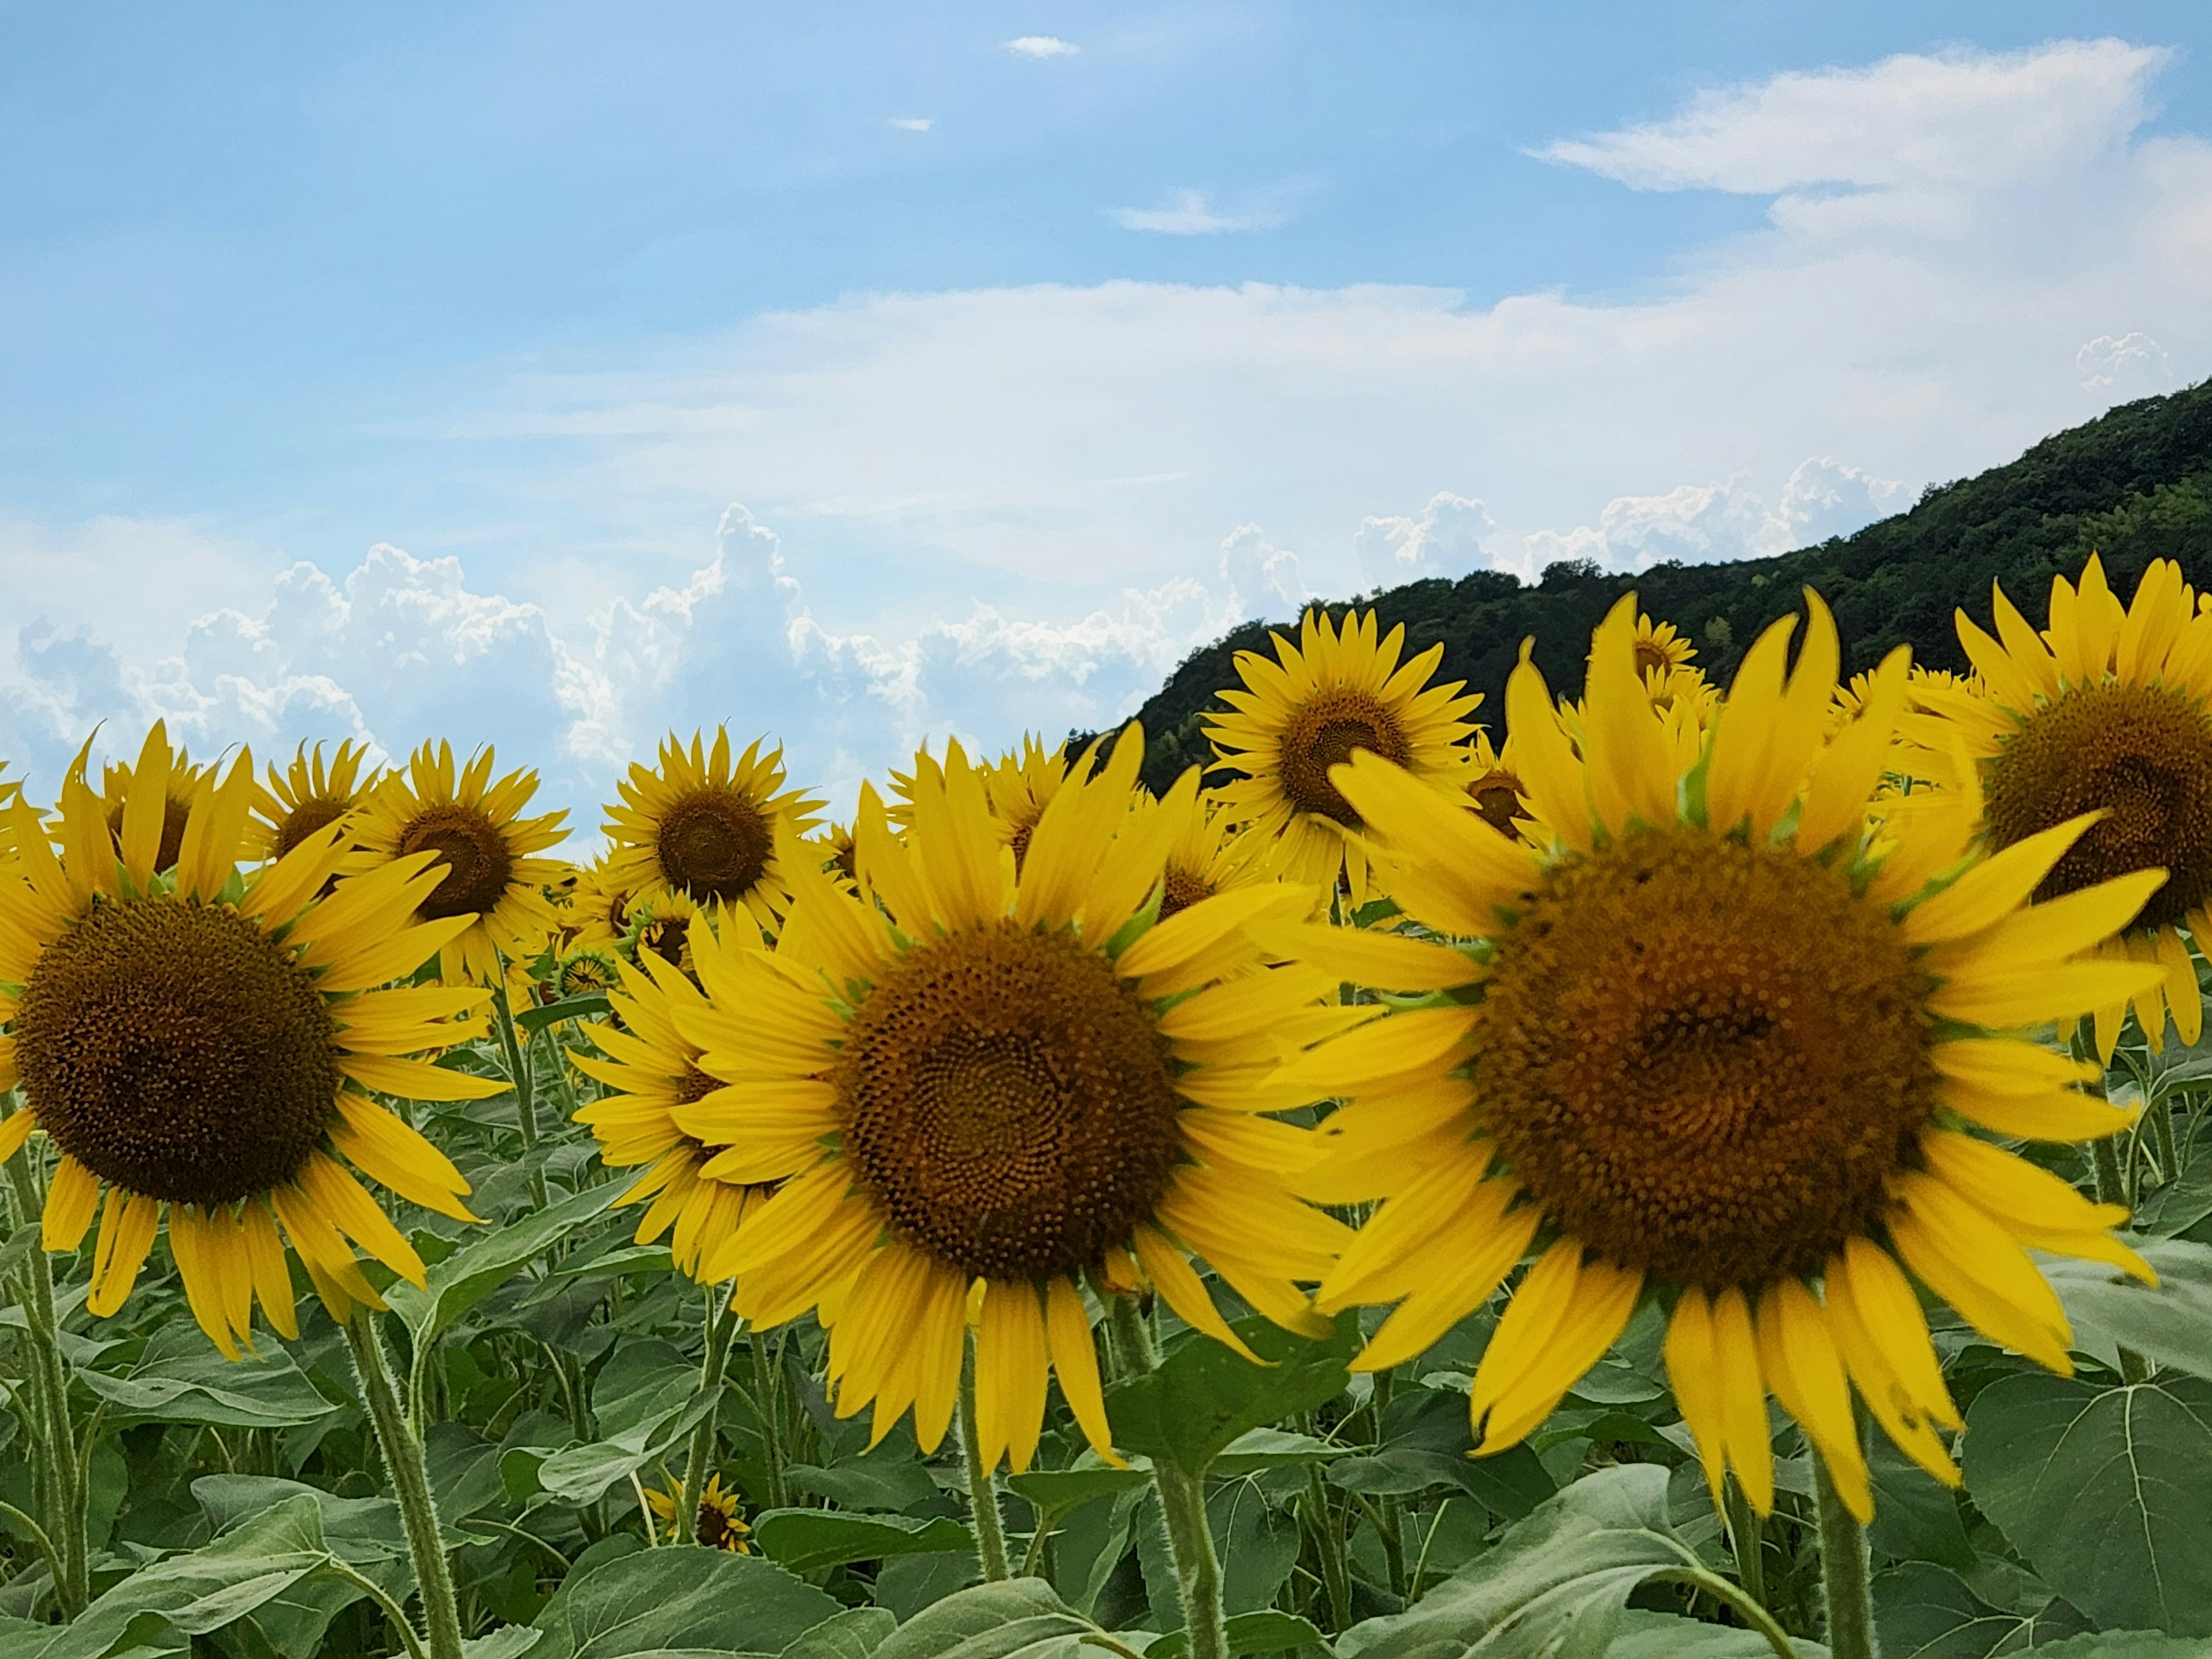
(1704, 1060)
(1325, 730)
(1497, 796)
(714, 844)
(665, 936)
(316, 812)
(175, 814)
(1650, 656)
(1007, 1102)
(2141, 753)
(1182, 888)
(171, 1050)
(479, 863)
(1019, 841)
(718, 1529)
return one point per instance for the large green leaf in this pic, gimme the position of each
(2104, 1491)
(1556, 1583)
(180, 1378)
(1670, 1636)
(854, 1633)
(1061, 1490)
(365, 1533)
(804, 1539)
(1925, 1612)
(488, 1259)
(1017, 1617)
(1266, 1632)
(2128, 1644)
(1203, 1396)
(659, 1599)
(200, 1590)
(646, 1399)
(2170, 1324)
(1430, 1445)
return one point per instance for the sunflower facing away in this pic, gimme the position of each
(704, 828)
(2109, 708)
(207, 1044)
(1336, 691)
(306, 797)
(978, 1093)
(486, 848)
(652, 1074)
(716, 1524)
(185, 781)
(1721, 1056)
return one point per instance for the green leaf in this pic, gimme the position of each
(1059, 1490)
(1670, 1636)
(2103, 1492)
(803, 1540)
(1272, 1449)
(357, 1530)
(854, 1633)
(1017, 1616)
(591, 1006)
(679, 1598)
(490, 1259)
(1922, 1611)
(201, 1590)
(1203, 1396)
(180, 1378)
(1267, 1632)
(2128, 1644)
(1556, 1583)
(2172, 1324)
(508, 1642)
(882, 1479)
(1916, 1516)
(646, 1399)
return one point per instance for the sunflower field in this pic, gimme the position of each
(1693, 1171)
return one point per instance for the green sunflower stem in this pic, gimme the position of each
(1183, 1500)
(64, 1469)
(721, 1327)
(410, 1484)
(1846, 1573)
(982, 1486)
(518, 1073)
(1746, 1537)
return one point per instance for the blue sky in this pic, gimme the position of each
(555, 374)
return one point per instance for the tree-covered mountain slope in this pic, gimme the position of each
(2134, 484)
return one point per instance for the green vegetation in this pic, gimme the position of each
(2135, 484)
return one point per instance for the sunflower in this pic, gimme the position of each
(703, 829)
(716, 1525)
(597, 915)
(2109, 708)
(1335, 692)
(208, 1043)
(653, 1072)
(666, 926)
(1211, 855)
(306, 797)
(1661, 649)
(979, 1088)
(1719, 1056)
(1492, 782)
(1019, 785)
(486, 847)
(185, 783)
(586, 971)
(834, 844)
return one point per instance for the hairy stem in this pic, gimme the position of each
(64, 1467)
(721, 1326)
(1846, 1573)
(982, 1486)
(411, 1484)
(518, 1073)
(1746, 1537)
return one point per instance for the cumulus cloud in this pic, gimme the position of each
(2134, 365)
(1447, 540)
(914, 123)
(1040, 46)
(1191, 213)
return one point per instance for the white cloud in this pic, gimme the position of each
(1446, 540)
(914, 123)
(1040, 46)
(1191, 213)
(1076, 454)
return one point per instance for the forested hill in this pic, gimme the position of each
(2135, 484)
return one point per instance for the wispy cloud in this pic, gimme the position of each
(1190, 213)
(914, 123)
(1040, 46)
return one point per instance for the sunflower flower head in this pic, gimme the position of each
(984, 1089)
(1211, 855)
(184, 783)
(1492, 781)
(651, 1114)
(1721, 1053)
(488, 852)
(2107, 709)
(1340, 690)
(701, 827)
(308, 795)
(205, 1043)
(715, 1524)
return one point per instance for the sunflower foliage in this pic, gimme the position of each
(1214, 1185)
